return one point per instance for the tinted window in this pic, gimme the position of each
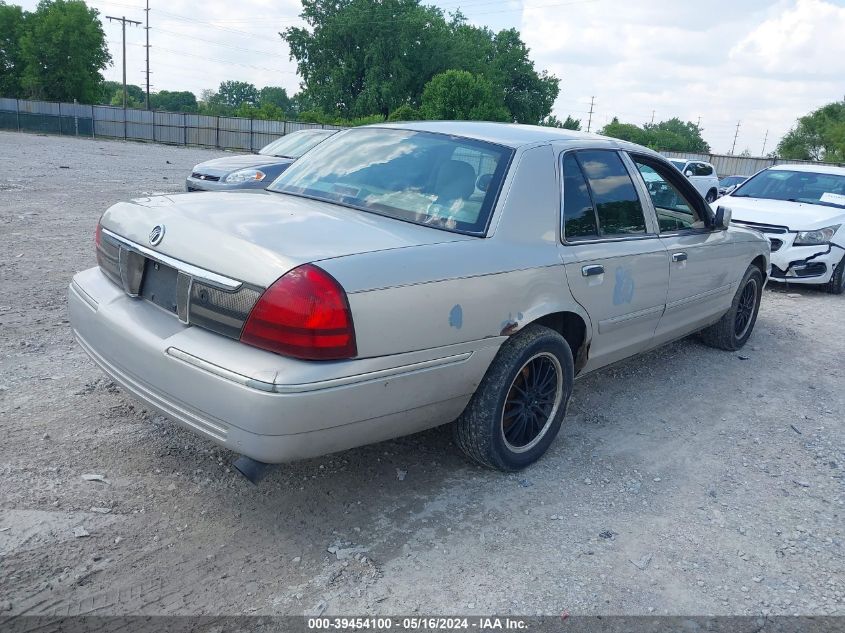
(433, 179)
(674, 210)
(578, 213)
(702, 169)
(617, 204)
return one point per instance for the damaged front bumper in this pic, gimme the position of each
(802, 264)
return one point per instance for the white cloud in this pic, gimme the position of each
(764, 63)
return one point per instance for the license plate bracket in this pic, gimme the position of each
(159, 285)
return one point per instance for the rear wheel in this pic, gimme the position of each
(519, 406)
(836, 285)
(733, 329)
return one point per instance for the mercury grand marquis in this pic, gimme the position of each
(402, 276)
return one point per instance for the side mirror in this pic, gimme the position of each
(688, 173)
(723, 217)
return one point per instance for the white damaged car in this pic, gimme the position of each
(801, 210)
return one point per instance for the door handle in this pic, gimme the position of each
(589, 271)
(679, 257)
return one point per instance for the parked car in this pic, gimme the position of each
(405, 275)
(702, 175)
(254, 171)
(801, 209)
(729, 183)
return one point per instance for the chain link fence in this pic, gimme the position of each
(175, 128)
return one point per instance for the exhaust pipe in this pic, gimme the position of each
(253, 470)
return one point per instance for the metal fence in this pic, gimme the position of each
(224, 132)
(175, 128)
(728, 165)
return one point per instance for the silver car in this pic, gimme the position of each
(401, 276)
(254, 171)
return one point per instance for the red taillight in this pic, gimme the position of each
(304, 314)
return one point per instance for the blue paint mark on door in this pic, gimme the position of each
(456, 317)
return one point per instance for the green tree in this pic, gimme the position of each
(672, 135)
(460, 95)
(528, 96)
(676, 136)
(404, 112)
(274, 96)
(233, 94)
(568, 124)
(64, 51)
(174, 101)
(11, 62)
(133, 99)
(362, 57)
(819, 135)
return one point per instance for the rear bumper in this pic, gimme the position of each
(268, 407)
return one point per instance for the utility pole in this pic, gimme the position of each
(652, 117)
(123, 22)
(590, 120)
(735, 137)
(765, 138)
(147, 47)
(698, 125)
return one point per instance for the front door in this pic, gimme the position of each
(616, 265)
(702, 261)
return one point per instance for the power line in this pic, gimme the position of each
(123, 22)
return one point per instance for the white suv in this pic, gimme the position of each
(702, 176)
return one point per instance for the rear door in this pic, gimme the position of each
(702, 261)
(615, 263)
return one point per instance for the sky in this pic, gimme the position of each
(757, 63)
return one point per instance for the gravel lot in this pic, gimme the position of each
(686, 481)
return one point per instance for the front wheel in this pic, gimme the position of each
(733, 329)
(518, 408)
(836, 285)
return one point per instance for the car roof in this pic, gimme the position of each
(688, 160)
(508, 134)
(815, 168)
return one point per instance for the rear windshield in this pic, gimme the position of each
(433, 179)
(795, 186)
(295, 144)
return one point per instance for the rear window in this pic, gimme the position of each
(426, 178)
(294, 144)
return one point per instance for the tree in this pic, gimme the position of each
(676, 136)
(460, 95)
(819, 135)
(274, 96)
(11, 62)
(232, 94)
(672, 135)
(404, 112)
(568, 124)
(361, 57)
(528, 96)
(174, 101)
(64, 51)
(133, 99)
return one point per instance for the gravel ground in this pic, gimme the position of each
(685, 481)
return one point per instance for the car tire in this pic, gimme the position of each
(836, 285)
(517, 410)
(735, 327)
(711, 196)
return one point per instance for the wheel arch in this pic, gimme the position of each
(760, 262)
(572, 327)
